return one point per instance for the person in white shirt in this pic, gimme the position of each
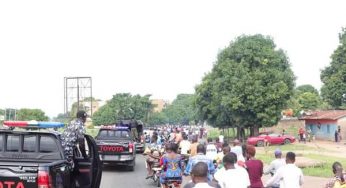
(199, 175)
(221, 138)
(211, 151)
(238, 150)
(232, 177)
(290, 175)
(274, 166)
(185, 146)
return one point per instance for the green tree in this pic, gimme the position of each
(182, 110)
(334, 76)
(26, 114)
(248, 87)
(123, 106)
(305, 97)
(306, 88)
(309, 101)
(158, 118)
(61, 118)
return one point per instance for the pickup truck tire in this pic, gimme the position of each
(131, 167)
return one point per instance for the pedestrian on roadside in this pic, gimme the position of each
(336, 136)
(274, 166)
(237, 149)
(225, 150)
(200, 157)
(266, 143)
(339, 134)
(193, 146)
(218, 145)
(339, 177)
(232, 176)
(301, 133)
(211, 152)
(185, 146)
(221, 138)
(290, 175)
(254, 167)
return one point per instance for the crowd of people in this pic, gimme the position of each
(184, 151)
(218, 163)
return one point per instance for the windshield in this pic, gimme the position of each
(113, 134)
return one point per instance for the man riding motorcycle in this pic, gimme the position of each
(153, 155)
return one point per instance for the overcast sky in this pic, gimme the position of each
(158, 47)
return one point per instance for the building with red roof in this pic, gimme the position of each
(323, 124)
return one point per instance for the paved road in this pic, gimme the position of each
(118, 176)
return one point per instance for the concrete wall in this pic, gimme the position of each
(342, 124)
(323, 130)
(290, 126)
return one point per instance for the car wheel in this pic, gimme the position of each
(287, 141)
(260, 143)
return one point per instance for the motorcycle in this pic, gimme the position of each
(156, 167)
(157, 173)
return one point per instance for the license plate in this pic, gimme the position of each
(111, 157)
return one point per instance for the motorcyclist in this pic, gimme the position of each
(172, 165)
(153, 155)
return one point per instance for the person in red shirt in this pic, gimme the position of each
(301, 133)
(254, 167)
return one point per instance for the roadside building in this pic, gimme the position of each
(323, 124)
(159, 104)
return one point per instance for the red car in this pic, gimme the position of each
(272, 138)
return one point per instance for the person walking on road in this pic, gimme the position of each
(290, 175)
(274, 166)
(238, 150)
(301, 133)
(254, 167)
(199, 176)
(211, 152)
(193, 146)
(232, 176)
(185, 146)
(200, 157)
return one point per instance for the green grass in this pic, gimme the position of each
(326, 169)
(213, 133)
(321, 171)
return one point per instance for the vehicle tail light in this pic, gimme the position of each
(130, 147)
(44, 180)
